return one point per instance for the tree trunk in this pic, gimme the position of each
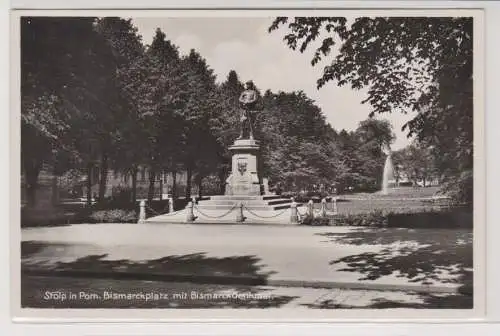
(31, 194)
(189, 175)
(103, 177)
(222, 179)
(199, 183)
(32, 169)
(174, 184)
(89, 184)
(134, 184)
(55, 189)
(161, 185)
(151, 189)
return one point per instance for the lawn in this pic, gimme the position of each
(357, 206)
(398, 200)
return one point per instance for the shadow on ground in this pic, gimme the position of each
(422, 301)
(236, 274)
(91, 293)
(420, 255)
(39, 255)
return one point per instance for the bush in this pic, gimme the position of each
(316, 221)
(113, 216)
(460, 188)
(446, 219)
(116, 204)
(440, 219)
(121, 194)
(211, 185)
(371, 219)
(306, 197)
(406, 184)
(157, 207)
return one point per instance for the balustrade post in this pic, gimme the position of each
(142, 212)
(239, 217)
(323, 207)
(310, 208)
(170, 204)
(294, 217)
(190, 212)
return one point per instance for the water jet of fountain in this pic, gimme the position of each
(388, 174)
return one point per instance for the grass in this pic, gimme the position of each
(399, 192)
(386, 206)
(398, 200)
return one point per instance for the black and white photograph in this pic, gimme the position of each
(286, 161)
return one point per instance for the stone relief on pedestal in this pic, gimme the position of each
(242, 167)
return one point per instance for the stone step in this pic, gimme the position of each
(282, 206)
(243, 197)
(203, 198)
(246, 202)
(270, 197)
(279, 201)
(251, 207)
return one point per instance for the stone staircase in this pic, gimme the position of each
(263, 203)
(225, 209)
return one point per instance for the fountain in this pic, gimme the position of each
(388, 174)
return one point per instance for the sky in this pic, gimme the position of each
(243, 44)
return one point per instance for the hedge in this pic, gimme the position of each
(440, 219)
(113, 216)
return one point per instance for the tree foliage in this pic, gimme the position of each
(421, 64)
(98, 98)
(415, 163)
(63, 87)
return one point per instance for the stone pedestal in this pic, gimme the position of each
(244, 200)
(244, 178)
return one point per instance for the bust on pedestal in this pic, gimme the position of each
(245, 178)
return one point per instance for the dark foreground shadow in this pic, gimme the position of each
(240, 276)
(423, 301)
(126, 294)
(421, 256)
(194, 265)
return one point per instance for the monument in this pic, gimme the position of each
(244, 178)
(245, 198)
(248, 100)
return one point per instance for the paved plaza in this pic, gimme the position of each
(323, 257)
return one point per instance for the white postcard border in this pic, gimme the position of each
(292, 315)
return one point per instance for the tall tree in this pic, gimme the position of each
(199, 113)
(374, 137)
(298, 150)
(422, 64)
(164, 96)
(62, 85)
(225, 123)
(416, 163)
(125, 44)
